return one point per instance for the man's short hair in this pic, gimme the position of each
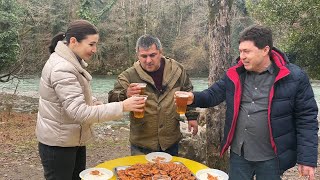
(146, 41)
(260, 35)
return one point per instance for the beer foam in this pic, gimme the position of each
(183, 95)
(142, 85)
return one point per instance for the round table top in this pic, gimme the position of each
(131, 160)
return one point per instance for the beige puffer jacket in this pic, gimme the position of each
(66, 110)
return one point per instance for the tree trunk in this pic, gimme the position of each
(127, 28)
(145, 17)
(220, 60)
(192, 12)
(180, 12)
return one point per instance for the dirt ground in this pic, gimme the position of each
(19, 157)
(19, 154)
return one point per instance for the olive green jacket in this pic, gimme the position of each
(160, 125)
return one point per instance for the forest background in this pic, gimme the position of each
(201, 34)
(27, 26)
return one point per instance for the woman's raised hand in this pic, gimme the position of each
(134, 104)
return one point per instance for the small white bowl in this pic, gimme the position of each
(203, 174)
(152, 156)
(104, 174)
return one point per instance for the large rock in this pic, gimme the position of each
(193, 146)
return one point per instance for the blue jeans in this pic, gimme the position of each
(62, 163)
(242, 169)
(136, 150)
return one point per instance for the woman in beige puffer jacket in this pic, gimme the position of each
(66, 107)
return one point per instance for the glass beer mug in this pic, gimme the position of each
(181, 102)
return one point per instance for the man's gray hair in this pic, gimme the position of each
(146, 41)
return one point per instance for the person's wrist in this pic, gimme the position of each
(124, 109)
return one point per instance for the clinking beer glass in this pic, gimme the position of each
(139, 114)
(181, 102)
(143, 87)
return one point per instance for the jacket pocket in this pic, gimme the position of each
(172, 122)
(70, 134)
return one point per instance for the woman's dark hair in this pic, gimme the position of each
(78, 29)
(260, 35)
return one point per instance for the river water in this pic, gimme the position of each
(101, 85)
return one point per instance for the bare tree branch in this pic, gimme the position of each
(6, 77)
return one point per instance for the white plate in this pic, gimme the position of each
(104, 174)
(203, 174)
(152, 156)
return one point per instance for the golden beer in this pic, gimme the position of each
(143, 89)
(181, 102)
(139, 114)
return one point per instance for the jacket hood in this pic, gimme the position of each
(279, 57)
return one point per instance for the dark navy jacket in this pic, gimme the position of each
(292, 113)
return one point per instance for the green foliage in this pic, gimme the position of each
(181, 26)
(9, 23)
(91, 10)
(58, 16)
(85, 11)
(107, 8)
(296, 26)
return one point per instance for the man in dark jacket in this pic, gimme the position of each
(271, 117)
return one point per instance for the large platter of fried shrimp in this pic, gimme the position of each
(176, 170)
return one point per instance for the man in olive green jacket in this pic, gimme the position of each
(159, 129)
